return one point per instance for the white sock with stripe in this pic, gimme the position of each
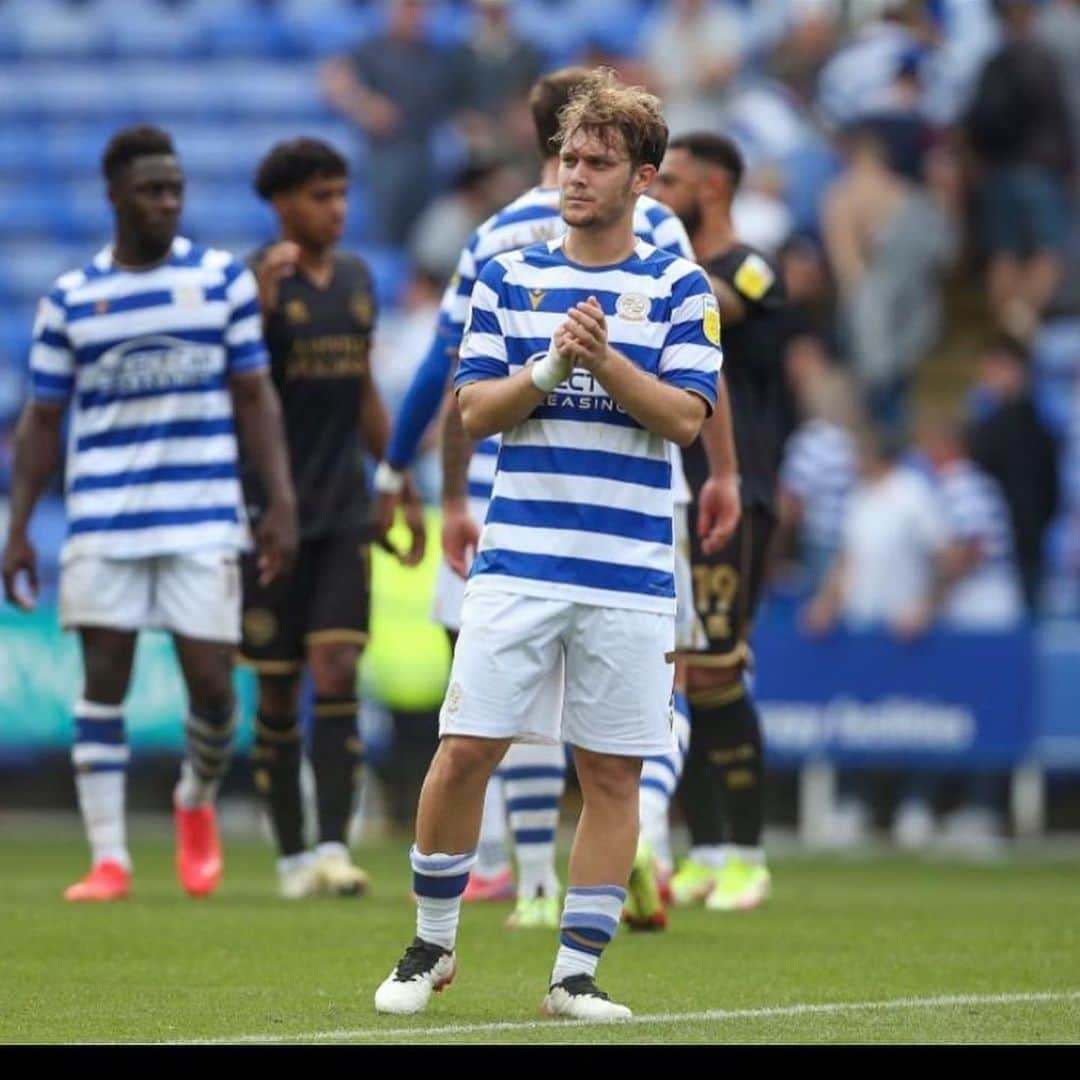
(590, 918)
(438, 882)
(100, 757)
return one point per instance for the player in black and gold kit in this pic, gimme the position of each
(721, 793)
(318, 317)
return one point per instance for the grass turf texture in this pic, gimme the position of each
(162, 967)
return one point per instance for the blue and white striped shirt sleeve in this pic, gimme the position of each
(454, 309)
(52, 359)
(483, 348)
(691, 356)
(668, 233)
(245, 350)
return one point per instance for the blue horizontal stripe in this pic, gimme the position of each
(102, 732)
(519, 298)
(163, 474)
(681, 704)
(243, 361)
(477, 368)
(87, 354)
(439, 888)
(532, 772)
(602, 464)
(484, 321)
(613, 891)
(567, 570)
(578, 945)
(90, 399)
(533, 802)
(56, 384)
(478, 490)
(593, 921)
(107, 306)
(487, 447)
(53, 338)
(665, 761)
(596, 410)
(667, 790)
(152, 519)
(536, 212)
(700, 382)
(534, 836)
(245, 311)
(582, 517)
(175, 429)
(102, 766)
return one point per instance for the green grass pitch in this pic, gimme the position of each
(875, 950)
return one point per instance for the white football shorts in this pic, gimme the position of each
(195, 594)
(523, 663)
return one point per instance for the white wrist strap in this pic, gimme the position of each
(546, 374)
(388, 481)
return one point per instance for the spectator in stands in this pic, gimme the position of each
(1018, 130)
(1059, 30)
(861, 77)
(888, 242)
(501, 66)
(399, 88)
(891, 569)
(480, 188)
(819, 469)
(1011, 443)
(693, 51)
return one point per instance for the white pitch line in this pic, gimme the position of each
(553, 1026)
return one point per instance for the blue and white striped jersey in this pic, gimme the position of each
(820, 468)
(582, 502)
(976, 513)
(146, 357)
(531, 218)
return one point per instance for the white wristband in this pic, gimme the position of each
(388, 481)
(546, 374)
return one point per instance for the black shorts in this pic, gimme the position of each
(326, 598)
(727, 588)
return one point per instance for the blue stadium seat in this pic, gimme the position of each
(166, 90)
(32, 209)
(249, 30)
(322, 29)
(213, 210)
(263, 90)
(159, 28)
(23, 152)
(30, 268)
(57, 29)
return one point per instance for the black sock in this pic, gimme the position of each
(722, 790)
(276, 756)
(335, 757)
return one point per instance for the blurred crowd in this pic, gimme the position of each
(912, 166)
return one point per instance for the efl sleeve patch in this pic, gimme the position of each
(754, 278)
(711, 320)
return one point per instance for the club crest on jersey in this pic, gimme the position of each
(361, 307)
(710, 321)
(187, 296)
(632, 306)
(536, 296)
(296, 311)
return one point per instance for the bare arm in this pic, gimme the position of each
(460, 534)
(493, 405)
(822, 613)
(258, 417)
(374, 112)
(719, 504)
(37, 452)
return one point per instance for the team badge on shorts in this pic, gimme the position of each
(361, 307)
(260, 626)
(296, 311)
(710, 322)
(454, 696)
(632, 306)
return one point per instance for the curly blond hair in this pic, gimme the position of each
(604, 106)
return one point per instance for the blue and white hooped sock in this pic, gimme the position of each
(438, 882)
(660, 778)
(534, 777)
(100, 756)
(589, 920)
